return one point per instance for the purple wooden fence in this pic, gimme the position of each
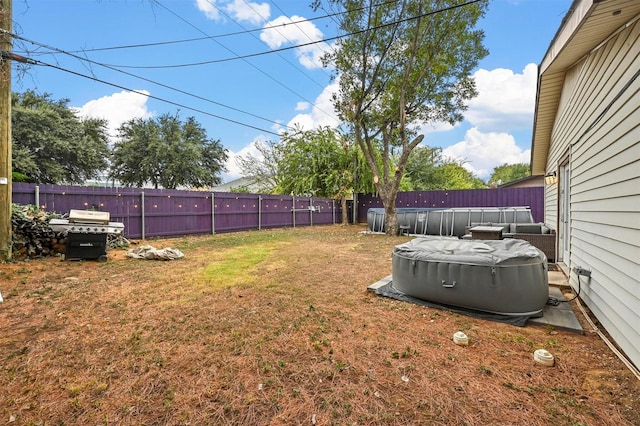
(150, 213)
(532, 197)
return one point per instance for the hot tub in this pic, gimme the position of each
(506, 277)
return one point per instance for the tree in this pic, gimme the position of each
(453, 175)
(316, 163)
(167, 153)
(402, 64)
(320, 162)
(52, 145)
(428, 171)
(509, 172)
(262, 168)
(421, 168)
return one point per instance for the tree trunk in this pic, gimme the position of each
(388, 199)
(345, 213)
(390, 220)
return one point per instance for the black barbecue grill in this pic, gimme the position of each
(87, 233)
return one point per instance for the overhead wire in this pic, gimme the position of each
(261, 71)
(244, 31)
(334, 13)
(284, 14)
(324, 40)
(298, 26)
(139, 77)
(114, 68)
(253, 35)
(277, 29)
(38, 62)
(234, 58)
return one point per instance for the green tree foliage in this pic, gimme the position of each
(317, 163)
(401, 65)
(51, 144)
(453, 175)
(275, 163)
(421, 168)
(320, 163)
(168, 153)
(426, 170)
(509, 172)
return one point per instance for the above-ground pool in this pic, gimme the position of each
(506, 277)
(447, 222)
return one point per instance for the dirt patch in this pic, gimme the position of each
(276, 327)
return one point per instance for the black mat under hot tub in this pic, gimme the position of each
(387, 290)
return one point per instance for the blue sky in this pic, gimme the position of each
(91, 52)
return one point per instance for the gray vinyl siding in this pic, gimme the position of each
(550, 207)
(562, 135)
(605, 183)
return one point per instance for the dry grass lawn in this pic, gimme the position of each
(276, 327)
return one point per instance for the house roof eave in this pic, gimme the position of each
(585, 27)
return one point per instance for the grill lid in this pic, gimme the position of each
(89, 216)
(62, 225)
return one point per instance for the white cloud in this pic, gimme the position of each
(505, 104)
(288, 31)
(428, 128)
(244, 11)
(482, 152)
(302, 106)
(505, 100)
(240, 10)
(117, 108)
(233, 171)
(322, 112)
(210, 10)
(277, 126)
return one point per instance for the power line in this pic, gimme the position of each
(38, 62)
(244, 31)
(284, 86)
(250, 32)
(35, 62)
(276, 28)
(218, 61)
(293, 23)
(190, 40)
(113, 68)
(14, 57)
(324, 40)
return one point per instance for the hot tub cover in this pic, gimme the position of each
(506, 277)
(472, 252)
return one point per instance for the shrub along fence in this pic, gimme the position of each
(148, 213)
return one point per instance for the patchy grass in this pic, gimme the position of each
(276, 327)
(235, 266)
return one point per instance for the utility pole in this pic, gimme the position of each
(5, 132)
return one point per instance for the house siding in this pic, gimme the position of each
(598, 125)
